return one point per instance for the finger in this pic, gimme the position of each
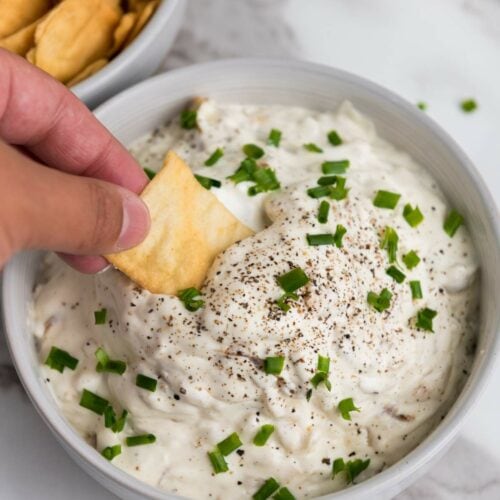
(42, 115)
(45, 208)
(88, 264)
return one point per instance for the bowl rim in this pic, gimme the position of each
(436, 441)
(116, 65)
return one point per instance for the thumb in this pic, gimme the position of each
(44, 208)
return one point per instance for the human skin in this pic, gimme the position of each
(66, 184)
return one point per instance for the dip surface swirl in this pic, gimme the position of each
(209, 363)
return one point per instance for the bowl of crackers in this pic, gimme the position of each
(95, 47)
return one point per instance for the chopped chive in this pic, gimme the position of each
(339, 192)
(266, 490)
(312, 148)
(265, 180)
(101, 356)
(207, 182)
(395, 274)
(189, 119)
(282, 301)
(390, 243)
(100, 316)
(145, 382)
(218, 462)
(468, 105)
(244, 172)
(104, 364)
(119, 424)
(214, 157)
(274, 138)
(150, 173)
(315, 240)
(111, 452)
(263, 434)
(253, 151)
(422, 105)
(318, 191)
(338, 467)
(58, 359)
(230, 444)
(188, 297)
(412, 215)
(416, 290)
(386, 199)
(93, 402)
(109, 417)
(380, 302)
(323, 210)
(273, 365)
(293, 280)
(140, 440)
(345, 407)
(309, 394)
(283, 494)
(411, 259)
(328, 180)
(353, 468)
(340, 231)
(424, 319)
(452, 222)
(334, 138)
(322, 372)
(335, 167)
(323, 363)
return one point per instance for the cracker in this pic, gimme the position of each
(145, 11)
(17, 14)
(21, 41)
(122, 31)
(189, 228)
(90, 70)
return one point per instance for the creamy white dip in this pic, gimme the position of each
(208, 363)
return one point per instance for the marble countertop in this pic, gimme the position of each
(438, 52)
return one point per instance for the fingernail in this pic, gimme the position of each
(135, 222)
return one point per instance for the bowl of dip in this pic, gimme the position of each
(413, 387)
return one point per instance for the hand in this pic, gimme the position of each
(65, 183)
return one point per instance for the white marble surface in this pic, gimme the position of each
(437, 51)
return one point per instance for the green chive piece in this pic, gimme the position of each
(150, 173)
(322, 372)
(452, 222)
(244, 172)
(188, 297)
(273, 365)
(323, 363)
(230, 444)
(101, 356)
(58, 359)
(422, 105)
(345, 407)
(284, 494)
(335, 167)
(318, 192)
(353, 468)
(315, 240)
(323, 210)
(189, 119)
(293, 280)
(214, 157)
(468, 105)
(389, 242)
(340, 231)
(263, 434)
(412, 215)
(312, 148)
(339, 192)
(208, 182)
(424, 319)
(338, 467)
(93, 402)
(145, 382)
(380, 302)
(100, 316)
(253, 151)
(386, 199)
(328, 180)
(266, 490)
(334, 138)
(119, 424)
(111, 452)
(416, 290)
(274, 138)
(218, 462)
(395, 274)
(282, 301)
(140, 440)
(265, 180)
(109, 417)
(411, 259)
(104, 364)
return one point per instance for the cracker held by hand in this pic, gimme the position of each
(189, 228)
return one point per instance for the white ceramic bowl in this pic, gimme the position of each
(139, 60)
(147, 105)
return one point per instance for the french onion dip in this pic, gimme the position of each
(317, 353)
